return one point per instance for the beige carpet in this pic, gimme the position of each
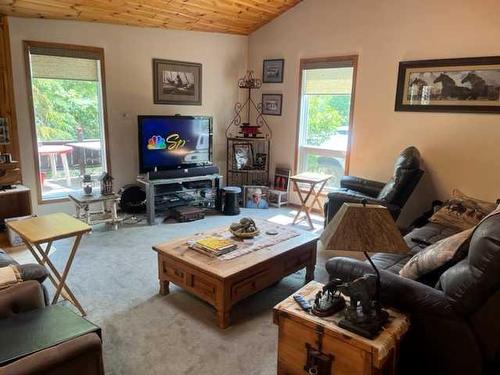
(114, 276)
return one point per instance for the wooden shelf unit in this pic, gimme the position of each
(14, 202)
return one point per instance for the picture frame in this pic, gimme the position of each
(256, 196)
(243, 156)
(469, 85)
(260, 161)
(272, 70)
(177, 82)
(272, 104)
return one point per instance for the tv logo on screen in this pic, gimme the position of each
(174, 142)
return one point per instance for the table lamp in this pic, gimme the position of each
(363, 228)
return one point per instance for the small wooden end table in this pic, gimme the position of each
(45, 230)
(313, 180)
(107, 213)
(302, 333)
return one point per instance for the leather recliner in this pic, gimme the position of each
(455, 325)
(393, 194)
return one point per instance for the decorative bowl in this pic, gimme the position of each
(244, 235)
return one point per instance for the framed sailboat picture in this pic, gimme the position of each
(176, 82)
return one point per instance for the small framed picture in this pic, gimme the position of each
(272, 71)
(243, 156)
(271, 104)
(256, 196)
(260, 161)
(176, 82)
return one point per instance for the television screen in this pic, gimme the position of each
(170, 142)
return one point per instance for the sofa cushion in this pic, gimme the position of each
(29, 271)
(449, 251)
(462, 212)
(6, 259)
(390, 262)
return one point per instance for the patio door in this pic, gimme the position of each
(66, 86)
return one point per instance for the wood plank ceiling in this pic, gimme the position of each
(225, 16)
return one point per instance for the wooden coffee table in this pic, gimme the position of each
(223, 283)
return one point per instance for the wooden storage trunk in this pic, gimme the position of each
(305, 339)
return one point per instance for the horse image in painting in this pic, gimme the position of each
(479, 88)
(417, 88)
(450, 89)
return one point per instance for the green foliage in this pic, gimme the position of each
(325, 114)
(62, 106)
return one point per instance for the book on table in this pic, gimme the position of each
(214, 246)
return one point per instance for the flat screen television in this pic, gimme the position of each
(172, 142)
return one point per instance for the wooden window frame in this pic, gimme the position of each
(28, 44)
(328, 62)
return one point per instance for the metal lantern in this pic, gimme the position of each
(87, 184)
(106, 184)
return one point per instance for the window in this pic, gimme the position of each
(66, 90)
(326, 98)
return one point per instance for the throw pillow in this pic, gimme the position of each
(462, 212)
(435, 255)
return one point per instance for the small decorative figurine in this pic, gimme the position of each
(87, 184)
(328, 301)
(363, 315)
(106, 183)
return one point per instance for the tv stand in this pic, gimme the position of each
(166, 194)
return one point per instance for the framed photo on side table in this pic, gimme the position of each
(271, 104)
(449, 85)
(176, 82)
(272, 71)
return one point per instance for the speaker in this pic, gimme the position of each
(186, 172)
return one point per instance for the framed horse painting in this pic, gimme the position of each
(449, 85)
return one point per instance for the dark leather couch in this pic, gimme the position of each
(393, 194)
(455, 311)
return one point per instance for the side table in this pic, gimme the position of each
(310, 344)
(312, 180)
(106, 214)
(45, 230)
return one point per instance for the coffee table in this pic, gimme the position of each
(223, 283)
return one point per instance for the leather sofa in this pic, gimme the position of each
(392, 194)
(80, 355)
(454, 311)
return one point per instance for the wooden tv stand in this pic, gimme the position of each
(161, 188)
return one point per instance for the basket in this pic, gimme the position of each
(245, 234)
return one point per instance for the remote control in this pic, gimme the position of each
(306, 306)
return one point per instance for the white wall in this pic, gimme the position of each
(459, 150)
(128, 57)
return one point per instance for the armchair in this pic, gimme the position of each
(76, 355)
(393, 194)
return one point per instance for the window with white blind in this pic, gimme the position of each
(68, 114)
(326, 100)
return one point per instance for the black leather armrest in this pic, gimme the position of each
(396, 291)
(364, 186)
